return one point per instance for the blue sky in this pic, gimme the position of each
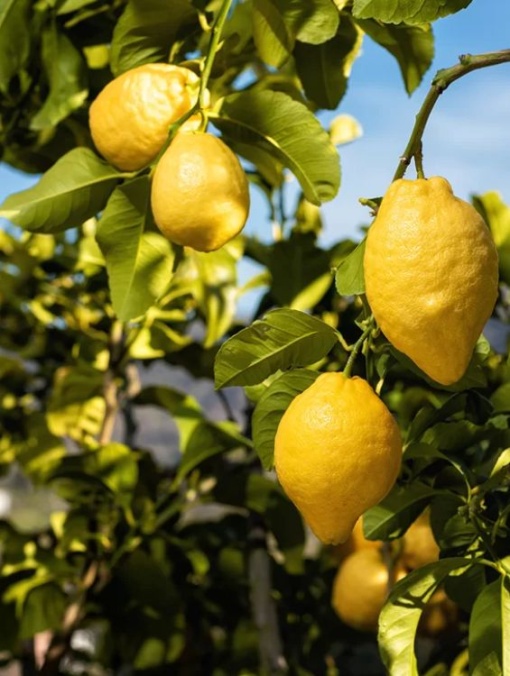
(467, 139)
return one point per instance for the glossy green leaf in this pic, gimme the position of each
(76, 188)
(271, 407)
(324, 68)
(283, 339)
(407, 11)
(489, 647)
(350, 277)
(146, 30)
(66, 75)
(287, 130)
(14, 38)
(400, 616)
(272, 38)
(138, 258)
(412, 47)
(395, 513)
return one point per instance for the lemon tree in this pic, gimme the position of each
(176, 468)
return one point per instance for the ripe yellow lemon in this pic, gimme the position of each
(199, 193)
(440, 616)
(419, 546)
(354, 543)
(361, 587)
(131, 116)
(431, 275)
(337, 453)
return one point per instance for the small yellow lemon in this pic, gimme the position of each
(131, 116)
(419, 546)
(337, 453)
(361, 587)
(199, 193)
(440, 616)
(354, 543)
(431, 275)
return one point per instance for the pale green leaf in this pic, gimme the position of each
(69, 6)
(350, 278)
(271, 36)
(497, 216)
(146, 31)
(138, 258)
(14, 38)
(412, 46)
(313, 21)
(66, 74)
(288, 131)
(271, 407)
(400, 616)
(283, 339)
(407, 11)
(76, 188)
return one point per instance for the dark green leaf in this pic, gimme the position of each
(283, 339)
(272, 38)
(287, 130)
(400, 616)
(14, 38)
(350, 278)
(489, 650)
(408, 11)
(146, 31)
(271, 407)
(66, 74)
(324, 69)
(412, 46)
(139, 259)
(76, 188)
(43, 609)
(393, 515)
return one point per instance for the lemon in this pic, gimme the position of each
(199, 193)
(337, 453)
(361, 587)
(354, 543)
(419, 546)
(440, 616)
(431, 275)
(131, 116)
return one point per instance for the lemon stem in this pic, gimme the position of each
(212, 49)
(442, 80)
(357, 347)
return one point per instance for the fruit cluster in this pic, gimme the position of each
(199, 193)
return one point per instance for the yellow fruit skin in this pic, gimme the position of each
(354, 543)
(419, 546)
(337, 453)
(199, 195)
(131, 116)
(431, 275)
(360, 589)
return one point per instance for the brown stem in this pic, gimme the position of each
(443, 79)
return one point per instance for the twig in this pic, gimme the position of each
(442, 80)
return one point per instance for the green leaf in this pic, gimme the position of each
(324, 69)
(66, 74)
(283, 339)
(76, 188)
(14, 39)
(395, 513)
(500, 399)
(300, 271)
(206, 441)
(412, 46)
(271, 36)
(68, 6)
(287, 130)
(400, 616)
(407, 11)
(271, 407)
(43, 609)
(350, 277)
(489, 648)
(314, 21)
(497, 216)
(146, 31)
(139, 259)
